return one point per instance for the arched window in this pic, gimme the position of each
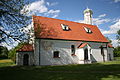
(73, 49)
(86, 54)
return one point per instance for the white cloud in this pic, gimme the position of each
(48, 3)
(54, 16)
(115, 43)
(100, 19)
(116, 1)
(113, 28)
(51, 4)
(80, 21)
(53, 13)
(97, 21)
(40, 8)
(102, 15)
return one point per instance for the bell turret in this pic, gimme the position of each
(88, 16)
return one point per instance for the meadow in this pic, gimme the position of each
(96, 71)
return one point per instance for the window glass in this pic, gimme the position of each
(65, 27)
(73, 49)
(56, 54)
(86, 54)
(88, 30)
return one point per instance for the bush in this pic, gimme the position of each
(3, 52)
(12, 52)
(12, 55)
(117, 52)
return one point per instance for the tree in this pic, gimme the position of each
(3, 52)
(118, 36)
(12, 21)
(12, 52)
(117, 51)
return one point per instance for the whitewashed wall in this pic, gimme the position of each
(64, 47)
(96, 51)
(80, 54)
(19, 58)
(110, 52)
(37, 51)
(47, 47)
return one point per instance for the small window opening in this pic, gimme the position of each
(73, 49)
(56, 54)
(88, 30)
(65, 27)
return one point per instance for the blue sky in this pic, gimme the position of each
(106, 13)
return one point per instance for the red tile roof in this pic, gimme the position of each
(26, 47)
(110, 45)
(51, 28)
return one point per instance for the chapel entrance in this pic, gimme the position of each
(26, 59)
(86, 55)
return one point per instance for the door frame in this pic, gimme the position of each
(25, 59)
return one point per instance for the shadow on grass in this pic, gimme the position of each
(3, 57)
(66, 72)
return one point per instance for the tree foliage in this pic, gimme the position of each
(117, 52)
(3, 52)
(118, 36)
(12, 52)
(12, 21)
(117, 49)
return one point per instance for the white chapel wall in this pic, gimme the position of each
(36, 52)
(47, 47)
(64, 48)
(96, 51)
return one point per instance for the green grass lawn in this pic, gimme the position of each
(97, 71)
(6, 62)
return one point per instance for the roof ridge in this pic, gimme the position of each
(64, 20)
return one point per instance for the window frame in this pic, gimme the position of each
(73, 50)
(56, 54)
(88, 30)
(65, 27)
(86, 56)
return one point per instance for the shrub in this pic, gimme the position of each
(12, 52)
(12, 55)
(117, 52)
(3, 52)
